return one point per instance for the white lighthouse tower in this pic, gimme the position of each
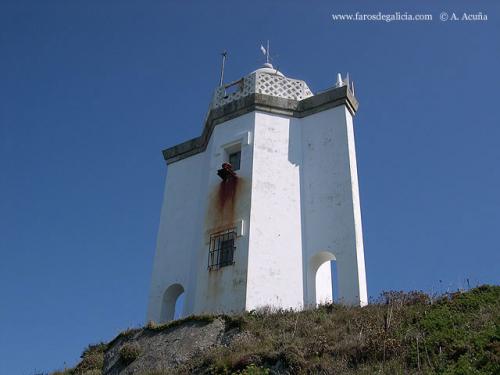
(257, 206)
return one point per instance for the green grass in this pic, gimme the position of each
(402, 333)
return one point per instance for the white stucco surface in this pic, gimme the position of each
(330, 211)
(296, 208)
(275, 251)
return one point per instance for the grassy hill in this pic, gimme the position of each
(403, 333)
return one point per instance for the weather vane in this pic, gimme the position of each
(265, 51)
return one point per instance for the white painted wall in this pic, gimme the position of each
(178, 233)
(330, 203)
(189, 216)
(297, 207)
(275, 250)
(224, 290)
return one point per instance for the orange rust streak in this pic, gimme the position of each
(226, 203)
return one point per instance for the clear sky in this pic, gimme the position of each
(92, 91)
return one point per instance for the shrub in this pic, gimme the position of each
(129, 353)
(92, 360)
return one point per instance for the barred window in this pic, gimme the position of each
(221, 252)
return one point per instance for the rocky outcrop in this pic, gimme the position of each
(163, 348)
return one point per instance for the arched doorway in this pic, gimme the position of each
(321, 278)
(172, 305)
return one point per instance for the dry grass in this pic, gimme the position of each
(402, 333)
(129, 353)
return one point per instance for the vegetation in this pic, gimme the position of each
(152, 326)
(402, 333)
(129, 353)
(91, 363)
(458, 333)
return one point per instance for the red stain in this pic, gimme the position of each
(226, 200)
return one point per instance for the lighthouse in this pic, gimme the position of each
(257, 207)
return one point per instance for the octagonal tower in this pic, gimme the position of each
(257, 207)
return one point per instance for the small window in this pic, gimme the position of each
(221, 252)
(235, 160)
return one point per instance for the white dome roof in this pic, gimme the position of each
(268, 68)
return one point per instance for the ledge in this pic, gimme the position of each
(330, 98)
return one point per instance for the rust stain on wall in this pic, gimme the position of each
(223, 204)
(227, 199)
(227, 202)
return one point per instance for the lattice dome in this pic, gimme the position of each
(267, 81)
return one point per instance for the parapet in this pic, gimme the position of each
(266, 90)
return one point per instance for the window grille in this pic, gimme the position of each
(221, 252)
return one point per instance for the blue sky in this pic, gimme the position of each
(92, 91)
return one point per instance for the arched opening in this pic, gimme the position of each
(172, 305)
(179, 306)
(322, 280)
(335, 284)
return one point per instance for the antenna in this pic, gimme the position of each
(267, 54)
(224, 55)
